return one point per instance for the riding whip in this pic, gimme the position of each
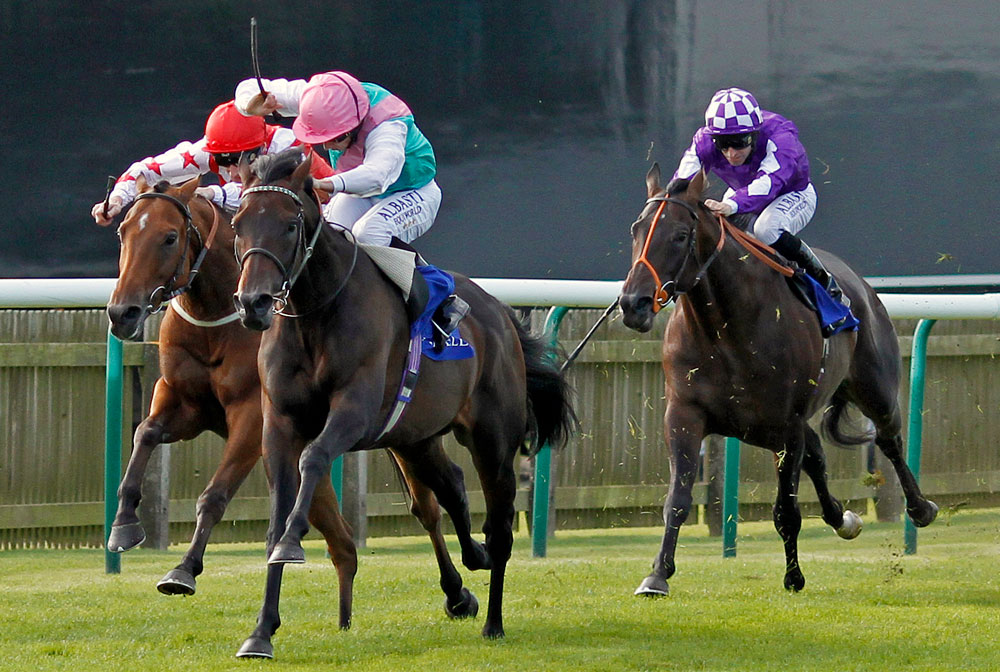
(256, 65)
(576, 351)
(107, 194)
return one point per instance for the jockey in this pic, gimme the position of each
(383, 185)
(758, 155)
(229, 135)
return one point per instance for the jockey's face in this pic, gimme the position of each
(338, 144)
(736, 157)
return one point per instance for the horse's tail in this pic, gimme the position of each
(551, 416)
(834, 421)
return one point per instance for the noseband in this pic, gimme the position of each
(667, 291)
(159, 297)
(299, 261)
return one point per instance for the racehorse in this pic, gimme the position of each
(744, 357)
(332, 361)
(209, 382)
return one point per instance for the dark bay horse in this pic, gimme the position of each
(332, 361)
(743, 357)
(209, 382)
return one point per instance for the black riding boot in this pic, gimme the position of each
(792, 247)
(451, 311)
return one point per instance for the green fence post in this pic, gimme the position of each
(543, 460)
(914, 441)
(337, 479)
(112, 446)
(731, 498)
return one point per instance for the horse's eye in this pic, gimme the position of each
(680, 235)
(292, 226)
(171, 238)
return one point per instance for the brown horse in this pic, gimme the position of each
(743, 357)
(332, 362)
(209, 382)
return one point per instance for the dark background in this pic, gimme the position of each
(544, 114)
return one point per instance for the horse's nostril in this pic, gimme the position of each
(262, 303)
(642, 304)
(132, 313)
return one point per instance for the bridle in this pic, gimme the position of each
(160, 296)
(303, 251)
(668, 291)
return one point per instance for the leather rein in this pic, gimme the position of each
(669, 291)
(160, 296)
(303, 251)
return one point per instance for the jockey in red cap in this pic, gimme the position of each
(229, 136)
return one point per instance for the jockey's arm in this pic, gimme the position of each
(385, 154)
(285, 92)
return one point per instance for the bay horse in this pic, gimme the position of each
(209, 382)
(332, 360)
(744, 357)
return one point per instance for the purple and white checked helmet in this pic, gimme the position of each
(732, 112)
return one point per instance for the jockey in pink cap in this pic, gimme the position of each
(384, 167)
(229, 135)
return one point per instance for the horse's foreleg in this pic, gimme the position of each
(683, 431)
(280, 448)
(345, 426)
(324, 514)
(240, 455)
(787, 517)
(166, 412)
(845, 522)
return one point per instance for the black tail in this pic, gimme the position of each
(834, 420)
(550, 410)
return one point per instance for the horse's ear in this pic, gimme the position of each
(141, 185)
(244, 167)
(302, 172)
(653, 180)
(698, 185)
(186, 191)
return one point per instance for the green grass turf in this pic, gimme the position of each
(866, 606)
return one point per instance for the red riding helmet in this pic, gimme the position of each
(229, 131)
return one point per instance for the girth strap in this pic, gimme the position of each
(409, 381)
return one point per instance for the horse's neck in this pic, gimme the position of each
(326, 271)
(211, 293)
(728, 299)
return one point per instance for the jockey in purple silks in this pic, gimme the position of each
(758, 155)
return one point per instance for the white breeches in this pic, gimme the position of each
(404, 214)
(788, 212)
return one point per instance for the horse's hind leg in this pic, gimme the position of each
(845, 522)
(787, 517)
(239, 456)
(324, 514)
(428, 472)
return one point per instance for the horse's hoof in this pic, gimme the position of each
(255, 647)
(478, 558)
(794, 581)
(287, 554)
(653, 586)
(924, 517)
(125, 537)
(851, 527)
(467, 607)
(177, 582)
(493, 632)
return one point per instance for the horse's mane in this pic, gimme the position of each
(272, 167)
(677, 186)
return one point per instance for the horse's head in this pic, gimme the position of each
(663, 240)
(271, 243)
(158, 245)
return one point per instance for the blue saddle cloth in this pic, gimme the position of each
(829, 311)
(440, 286)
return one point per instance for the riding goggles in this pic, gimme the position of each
(739, 141)
(226, 159)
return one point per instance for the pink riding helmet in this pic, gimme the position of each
(332, 104)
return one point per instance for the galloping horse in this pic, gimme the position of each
(744, 357)
(209, 382)
(332, 363)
